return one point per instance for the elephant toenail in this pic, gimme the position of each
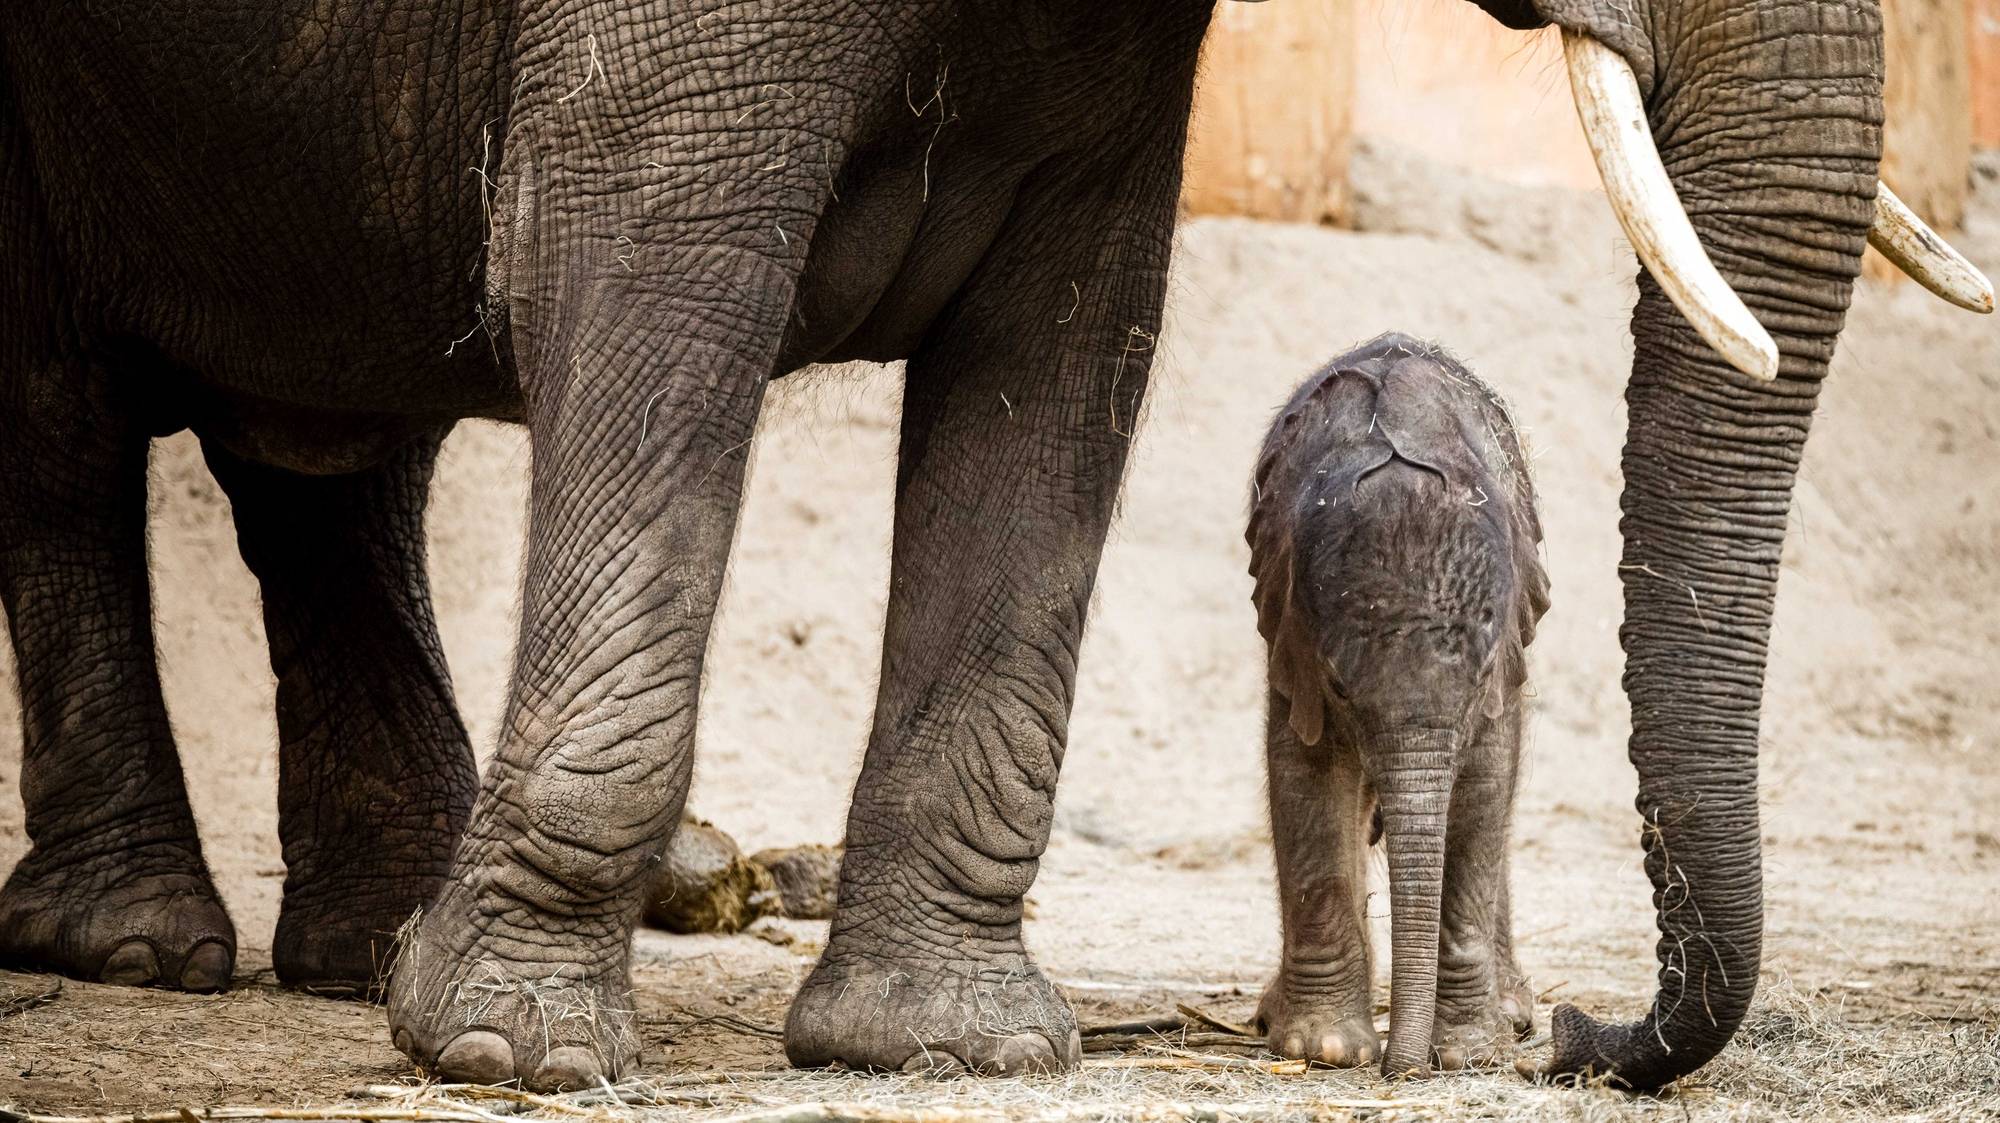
(568, 1069)
(405, 1044)
(1021, 1054)
(1074, 1055)
(1294, 1046)
(207, 967)
(1331, 1051)
(132, 965)
(477, 1057)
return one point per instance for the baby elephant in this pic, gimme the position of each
(1394, 544)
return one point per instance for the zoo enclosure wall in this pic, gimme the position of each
(1288, 87)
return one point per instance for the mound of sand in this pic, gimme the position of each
(1882, 857)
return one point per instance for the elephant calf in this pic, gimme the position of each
(1394, 543)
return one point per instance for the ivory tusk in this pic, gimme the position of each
(1614, 121)
(1916, 249)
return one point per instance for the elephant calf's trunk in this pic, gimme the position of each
(1415, 785)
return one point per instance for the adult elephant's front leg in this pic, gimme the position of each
(1017, 418)
(640, 411)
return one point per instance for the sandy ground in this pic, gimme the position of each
(1882, 988)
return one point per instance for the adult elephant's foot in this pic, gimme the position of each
(342, 950)
(346, 904)
(1303, 1019)
(145, 916)
(993, 1014)
(489, 992)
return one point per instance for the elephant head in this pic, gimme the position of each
(1739, 141)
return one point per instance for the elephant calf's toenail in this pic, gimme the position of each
(132, 965)
(478, 1057)
(405, 1044)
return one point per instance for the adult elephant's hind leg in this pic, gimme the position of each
(520, 969)
(375, 774)
(1016, 423)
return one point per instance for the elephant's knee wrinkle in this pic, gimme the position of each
(575, 861)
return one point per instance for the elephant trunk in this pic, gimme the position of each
(1413, 776)
(1771, 139)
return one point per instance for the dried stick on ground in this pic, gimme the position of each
(1127, 1042)
(21, 1004)
(1196, 1013)
(1166, 1023)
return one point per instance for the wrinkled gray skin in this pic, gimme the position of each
(270, 222)
(1768, 116)
(283, 224)
(1394, 544)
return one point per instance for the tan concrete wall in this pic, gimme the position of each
(1441, 78)
(1984, 18)
(1927, 84)
(1274, 121)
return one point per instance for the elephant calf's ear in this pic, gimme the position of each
(1293, 669)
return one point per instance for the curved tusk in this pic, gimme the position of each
(1614, 121)
(1916, 249)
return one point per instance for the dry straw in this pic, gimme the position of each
(1801, 1056)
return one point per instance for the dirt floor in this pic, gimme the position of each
(1881, 994)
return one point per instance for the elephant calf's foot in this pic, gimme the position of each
(993, 1014)
(1309, 1023)
(480, 997)
(1483, 1038)
(1485, 1032)
(141, 922)
(1517, 1000)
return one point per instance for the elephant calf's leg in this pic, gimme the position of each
(114, 886)
(1319, 1007)
(375, 774)
(1016, 422)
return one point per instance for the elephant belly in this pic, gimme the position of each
(891, 253)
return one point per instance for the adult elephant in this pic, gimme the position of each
(319, 233)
